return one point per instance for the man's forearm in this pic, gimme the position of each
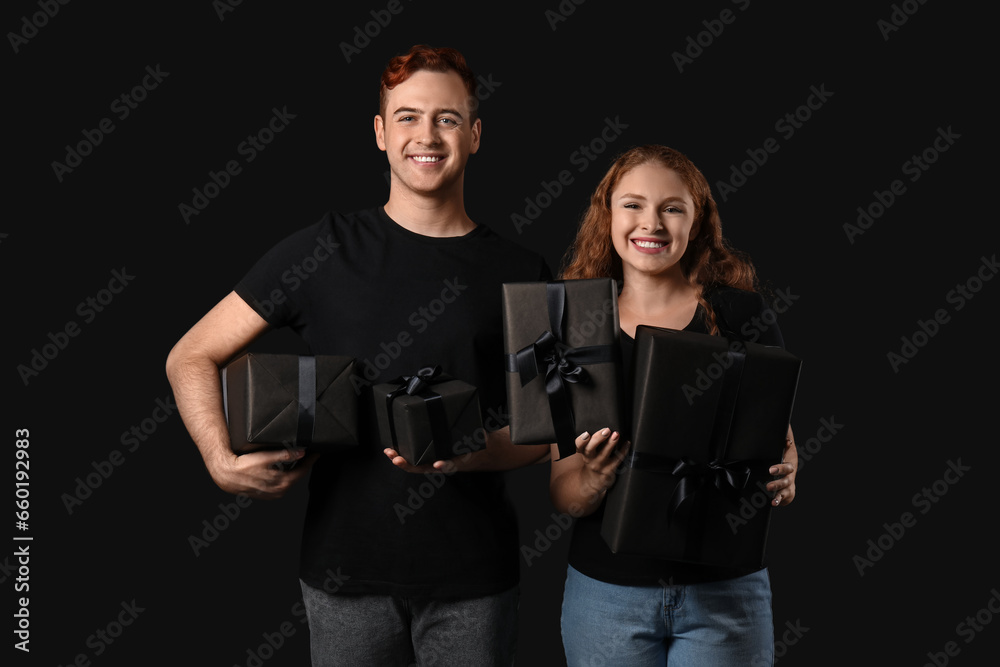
(198, 395)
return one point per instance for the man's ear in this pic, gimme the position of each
(380, 132)
(477, 132)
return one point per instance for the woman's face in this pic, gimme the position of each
(652, 215)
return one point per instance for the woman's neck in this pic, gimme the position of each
(668, 301)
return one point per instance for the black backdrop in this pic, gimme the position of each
(113, 575)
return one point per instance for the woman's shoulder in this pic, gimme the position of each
(738, 304)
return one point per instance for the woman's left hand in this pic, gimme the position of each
(784, 487)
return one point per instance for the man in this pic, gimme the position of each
(412, 284)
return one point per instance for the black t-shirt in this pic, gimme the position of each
(740, 315)
(360, 285)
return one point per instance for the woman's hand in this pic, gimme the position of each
(601, 458)
(784, 487)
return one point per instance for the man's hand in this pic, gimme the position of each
(261, 475)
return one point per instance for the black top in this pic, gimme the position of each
(361, 285)
(740, 315)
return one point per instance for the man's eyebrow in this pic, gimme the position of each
(453, 112)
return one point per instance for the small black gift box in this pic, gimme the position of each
(710, 418)
(563, 356)
(274, 401)
(429, 416)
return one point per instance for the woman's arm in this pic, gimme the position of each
(785, 486)
(578, 484)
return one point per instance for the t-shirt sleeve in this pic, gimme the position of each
(546, 274)
(749, 318)
(271, 287)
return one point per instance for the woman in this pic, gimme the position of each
(652, 225)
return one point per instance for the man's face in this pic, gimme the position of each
(427, 133)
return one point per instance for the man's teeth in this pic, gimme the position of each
(425, 158)
(649, 244)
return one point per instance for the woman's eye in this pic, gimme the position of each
(632, 206)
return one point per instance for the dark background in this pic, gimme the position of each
(553, 87)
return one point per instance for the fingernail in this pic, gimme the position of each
(585, 435)
(605, 431)
(774, 470)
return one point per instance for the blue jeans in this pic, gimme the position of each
(714, 624)
(393, 630)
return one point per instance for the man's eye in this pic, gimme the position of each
(447, 121)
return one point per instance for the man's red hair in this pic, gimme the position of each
(423, 57)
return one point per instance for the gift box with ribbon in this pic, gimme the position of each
(274, 401)
(429, 416)
(710, 418)
(563, 358)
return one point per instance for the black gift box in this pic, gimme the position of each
(710, 418)
(563, 358)
(274, 401)
(429, 416)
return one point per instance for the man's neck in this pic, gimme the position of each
(430, 216)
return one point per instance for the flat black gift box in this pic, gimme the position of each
(563, 359)
(437, 405)
(710, 418)
(261, 397)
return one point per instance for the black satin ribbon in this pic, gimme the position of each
(307, 401)
(561, 364)
(419, 385)
(729, 478)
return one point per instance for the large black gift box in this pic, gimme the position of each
(710, 418)
(429, 416)
(274, 401)
(563, 356)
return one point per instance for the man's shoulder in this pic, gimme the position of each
(508, 249)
